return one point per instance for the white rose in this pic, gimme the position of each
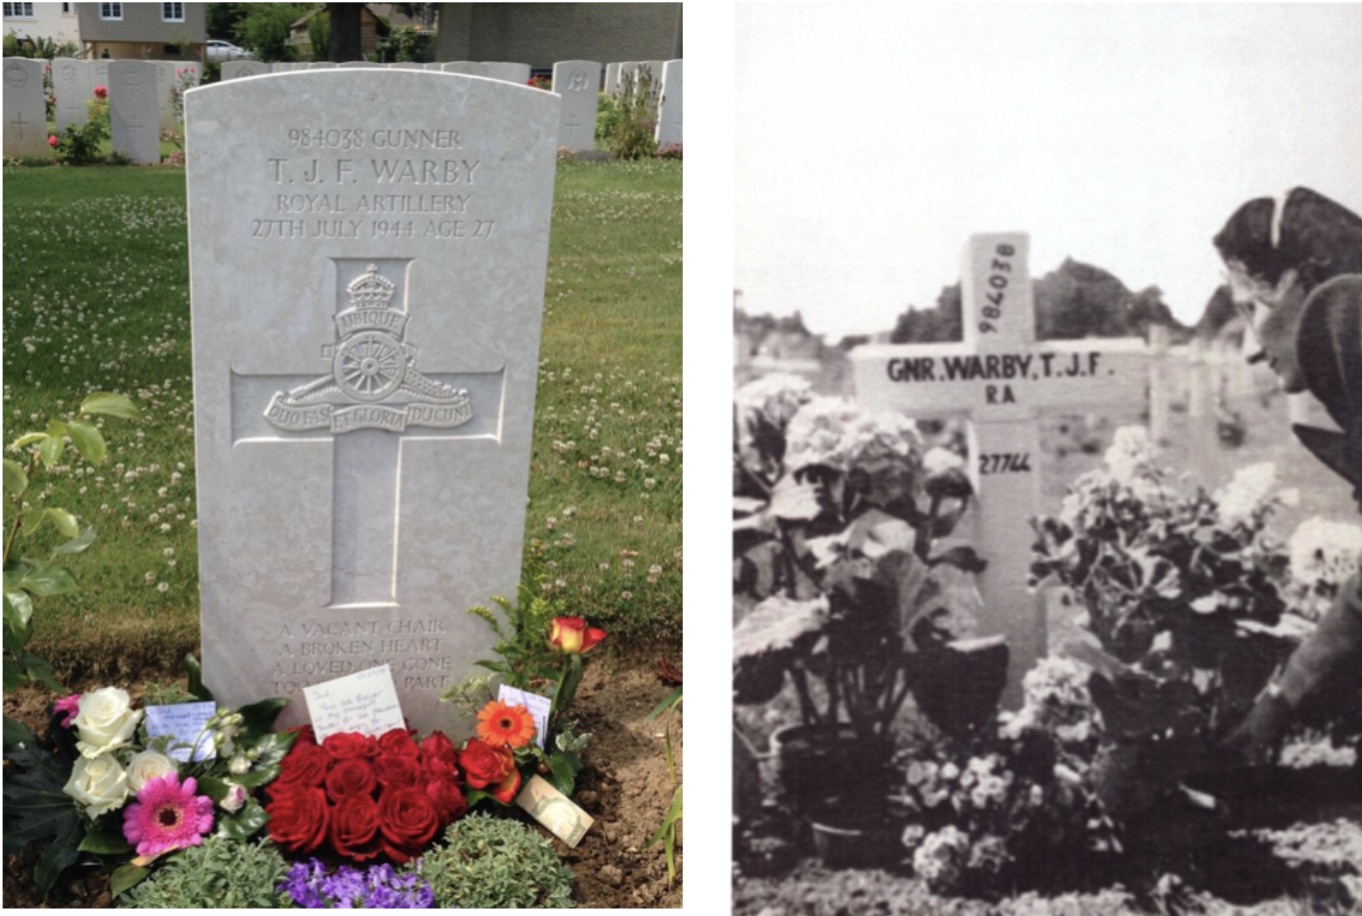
(149, 765)
(234, 799)
(105, 721)
(99, 783)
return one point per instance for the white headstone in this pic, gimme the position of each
(669, 108)
(99, 73)
(72, 87)
(466, 67)
(407, 65)
(236, 69)
(510, 72)
(1001, 378)
(323, 65)
(654, 68)
(578, 82)
(165, 82)
(627, 70)
(133, 113)
(366, 319)
(360, 63)
(612, 78)
(25, 108)
(434, 65)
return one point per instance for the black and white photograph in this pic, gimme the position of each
(1047, 458)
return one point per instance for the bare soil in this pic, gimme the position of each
(625, 787)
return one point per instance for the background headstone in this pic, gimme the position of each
(407, 65)
(165, 81)
(360, 63)
(612, 78)
(133, 113)
(655, 71)
(627, 70)
(466, 67)
(235, 69)
(578, 82)
(508, 71)
(1002, 379)
(366, 331)
(669, 108)
(25, 108)
(73, 89)
(99, 73)
(323, 65)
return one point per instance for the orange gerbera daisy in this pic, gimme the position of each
(505, 724)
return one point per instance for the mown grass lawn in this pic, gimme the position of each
(96, 299)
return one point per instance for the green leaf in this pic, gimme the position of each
(64, 522)
(110, 405)
(36, 809)
(214, 787)
(106, 840)
(40, 670)
(673, 815)
(125, 877)
(563, 770)
(14, 675)
(258, 776)
(196, 688)
(27, 439)
(59, 854)
(50, 449)
(672, 699)
(17, 733)
(258, 718)
(46, 581)
(245, 823)
(18, 610)
(270, 749)
(16, 481)
(88, 441)
(78, 544)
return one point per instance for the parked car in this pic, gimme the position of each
(224, 50)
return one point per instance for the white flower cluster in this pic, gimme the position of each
(1056, 698)
(1131, 454)
(1247, 493)
(105, 722)
(1324, 551)
(839, 434)
(777, 396)
(941, 856)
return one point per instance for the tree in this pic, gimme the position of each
(265, 29)
(345, 32)
(221, 18)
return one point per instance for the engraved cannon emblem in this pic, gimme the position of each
(374, 383)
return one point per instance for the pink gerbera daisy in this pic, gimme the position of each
(167, 815)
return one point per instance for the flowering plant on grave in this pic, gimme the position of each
(1185, 598)
(378, 886)
(1012, 805)
(529, 655)
(841, 582)
(102, 789)
(79, 144)
(362, 797)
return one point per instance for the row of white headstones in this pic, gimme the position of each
(135, 88)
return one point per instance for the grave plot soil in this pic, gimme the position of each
(625, 787)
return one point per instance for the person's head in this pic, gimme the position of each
(1273, 316)
(827, 484)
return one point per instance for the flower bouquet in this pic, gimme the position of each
(110, 788)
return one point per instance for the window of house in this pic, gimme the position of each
(111, 11)
(172, 12)
(18, 10)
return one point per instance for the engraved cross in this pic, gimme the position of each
(20, 123)
(368, 397)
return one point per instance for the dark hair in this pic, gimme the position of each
(1319, 238)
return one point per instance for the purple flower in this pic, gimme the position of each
(375, 887)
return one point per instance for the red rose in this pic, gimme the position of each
(407, 822)
(304, 765)
(484, 765)
(437, 768)
(444, 794)
(438, 747)
(395, 771)
(298, 818)
(506, 790)
(305, 735)
(397, 741)
(350, 777)
(346, 745)
(354, 828)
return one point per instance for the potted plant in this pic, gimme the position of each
(850, 595)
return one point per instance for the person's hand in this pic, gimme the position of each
(1261, 728)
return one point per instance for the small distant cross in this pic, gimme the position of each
(571, 128)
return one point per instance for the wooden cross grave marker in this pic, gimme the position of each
(1002, 379)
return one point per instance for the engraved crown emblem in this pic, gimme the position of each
(370, 291)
